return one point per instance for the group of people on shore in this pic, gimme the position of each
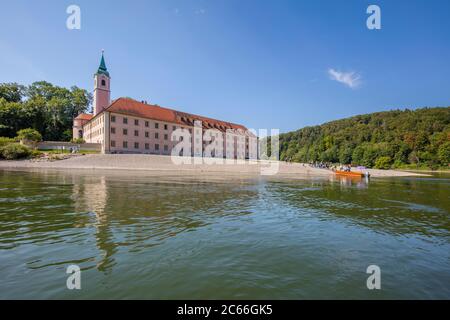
(73, 150)
(321, 165)
(345, 168)
(330, 166)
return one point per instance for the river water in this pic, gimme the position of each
(138, 236)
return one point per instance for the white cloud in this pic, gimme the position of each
(200, 11)
(350, 79)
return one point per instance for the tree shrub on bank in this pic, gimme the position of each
(29, 134)
(4, 141)
(14, 151)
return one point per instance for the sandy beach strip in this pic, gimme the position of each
(160, 165)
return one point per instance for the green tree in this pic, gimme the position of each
(383, 163)
(358, 155)
(401, 156)
(12, 92)
(42, 106)
(345, 155)
(67, 135)
(12, 118)
(444, 153)
(370, 155)
(29, 135)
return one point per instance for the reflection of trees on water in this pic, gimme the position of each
(418, 207)
(36, 208)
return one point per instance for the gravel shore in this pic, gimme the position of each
(160, 165)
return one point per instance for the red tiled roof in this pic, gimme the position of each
(84, 116)
(138, 109)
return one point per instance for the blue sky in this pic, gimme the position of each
(262, 63)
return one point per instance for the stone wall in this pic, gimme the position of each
(58, 145)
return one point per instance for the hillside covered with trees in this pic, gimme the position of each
(409, 138)
(42, 106)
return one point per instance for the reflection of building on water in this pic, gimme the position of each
(90, 194)
(141, 212)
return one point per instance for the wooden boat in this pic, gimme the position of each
(349, 173)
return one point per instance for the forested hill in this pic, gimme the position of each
(384, 139)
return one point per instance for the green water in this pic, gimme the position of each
(137, 236)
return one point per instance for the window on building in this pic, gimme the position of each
(125, 144)
(136, 145)
(146, 134)
(125, 132)
(146, 123)
(103, 82)
(136, 122)
(113, 118)
(156, 125)
(166, 137)
(166, 147)
(113, 143)
(165, 127)
(156, 135)
(156, 146)
(125, 120)
(136, 133)
(181, 138)
(147, 146)
(113, 130)
(174, 128)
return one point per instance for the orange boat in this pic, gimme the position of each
(349, 173)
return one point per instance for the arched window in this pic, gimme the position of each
(103, 82)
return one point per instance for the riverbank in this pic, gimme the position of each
(160, 165)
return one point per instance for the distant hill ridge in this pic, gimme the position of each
(398, 138)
